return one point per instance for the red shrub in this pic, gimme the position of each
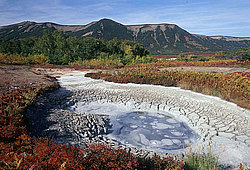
(100, 156)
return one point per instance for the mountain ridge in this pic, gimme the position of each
(158, 38)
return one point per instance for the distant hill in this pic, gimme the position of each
(158, 38)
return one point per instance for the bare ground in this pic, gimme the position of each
(224, 70)
(13, 76)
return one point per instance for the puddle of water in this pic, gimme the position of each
(153, 132)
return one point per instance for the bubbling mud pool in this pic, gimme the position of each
(153, 132)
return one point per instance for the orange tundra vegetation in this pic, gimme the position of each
(233, 87)
(213, 63)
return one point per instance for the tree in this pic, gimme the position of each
(113, 46)
(91, 47)
(62, 49)
(45, 45)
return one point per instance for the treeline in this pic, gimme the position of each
(62, 49)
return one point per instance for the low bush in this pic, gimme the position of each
(160, 163)
(98, 63)
(202, 159)
(20, 60)
(232, 87)
(196, 161)
(215, 63)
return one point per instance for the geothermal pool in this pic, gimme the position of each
(152, 132)
(155, 131)
(163, 119)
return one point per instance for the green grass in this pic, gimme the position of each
(201, 160)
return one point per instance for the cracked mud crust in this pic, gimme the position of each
(219, 122)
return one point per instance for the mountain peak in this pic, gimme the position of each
(108, 21)
(25, 22)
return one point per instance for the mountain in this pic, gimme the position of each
(158, 38)
(229, 38)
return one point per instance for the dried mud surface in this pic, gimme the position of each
(218, 122)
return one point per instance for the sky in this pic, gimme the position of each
(206, 17)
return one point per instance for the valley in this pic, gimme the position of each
(125, 85)
(85, 110)
(99, 98)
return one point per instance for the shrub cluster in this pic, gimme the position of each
(215, 63)
(191, 57)
(44, 154)
(240, 54)
(38, 59)
(98, 63)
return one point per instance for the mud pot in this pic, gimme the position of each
(166, 120)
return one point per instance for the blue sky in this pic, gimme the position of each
(208, 17)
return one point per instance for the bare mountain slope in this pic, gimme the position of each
(158, 38)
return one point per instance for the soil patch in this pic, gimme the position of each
(224, 70)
